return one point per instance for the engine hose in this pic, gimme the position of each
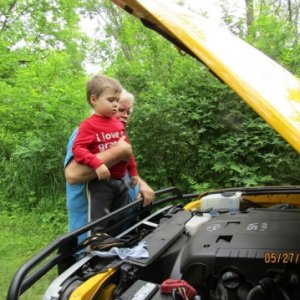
(221, 292)
(283, 293)
(257, 290)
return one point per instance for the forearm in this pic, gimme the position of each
(78, 173)
(141, 182)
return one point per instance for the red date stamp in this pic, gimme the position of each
(281, 257)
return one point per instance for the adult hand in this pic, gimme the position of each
(124, 148)
(133, 181)
(146, 192)
(102, 172)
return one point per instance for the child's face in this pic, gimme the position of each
(106, 105)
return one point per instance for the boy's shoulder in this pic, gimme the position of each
(117, 121)
(87, 119)
(93, 119)
(96, 119)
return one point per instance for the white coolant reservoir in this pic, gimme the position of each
(195, 222)
(230, 201)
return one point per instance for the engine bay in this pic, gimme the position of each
(235, 244)
(253, 253)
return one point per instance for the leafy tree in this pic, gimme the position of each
(275, 35)
(42, 91)
(37, 116)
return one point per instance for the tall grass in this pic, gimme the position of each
(22, 235)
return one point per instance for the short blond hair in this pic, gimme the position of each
(96, 85)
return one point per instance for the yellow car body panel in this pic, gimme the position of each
(89, 288)
(269, 200)
(262, 200)
(193, 205)
(271, 90)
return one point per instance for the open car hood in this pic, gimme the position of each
(272, 91)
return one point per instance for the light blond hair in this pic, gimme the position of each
(127, 96)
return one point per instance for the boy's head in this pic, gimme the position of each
(103, 94)
(98, 84)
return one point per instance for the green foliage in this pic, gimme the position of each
(41, 90)
(39, 111)
(275, 36)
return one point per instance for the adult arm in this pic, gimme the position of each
(78, 173)
(146, 192)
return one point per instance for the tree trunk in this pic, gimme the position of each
(249, 12)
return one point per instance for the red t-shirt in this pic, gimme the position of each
(97, 134)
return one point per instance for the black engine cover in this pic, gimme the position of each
(252, 242)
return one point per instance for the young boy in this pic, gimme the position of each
(96, 134)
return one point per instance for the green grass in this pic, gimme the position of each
(22, 235)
